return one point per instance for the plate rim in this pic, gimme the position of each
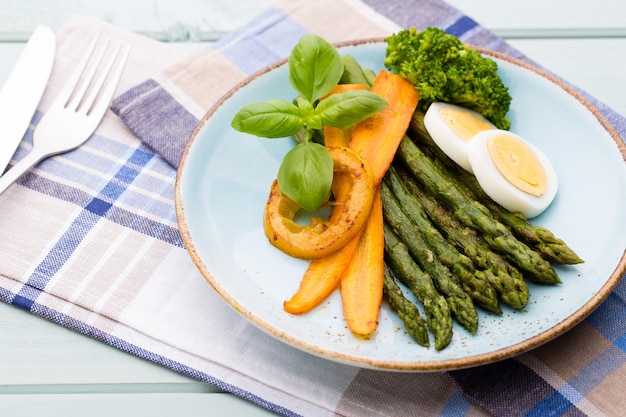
(391, 365)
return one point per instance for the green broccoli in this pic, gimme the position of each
(444, 69)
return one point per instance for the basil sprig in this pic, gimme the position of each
(315, 68)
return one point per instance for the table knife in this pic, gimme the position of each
(21, 93)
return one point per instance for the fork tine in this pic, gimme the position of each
(87, 77)
(112, 74)
(66, 93)
(99, 83)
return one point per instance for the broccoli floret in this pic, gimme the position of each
(444, 69)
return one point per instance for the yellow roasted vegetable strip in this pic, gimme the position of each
(322, 237)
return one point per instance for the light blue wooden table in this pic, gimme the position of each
(48, 370)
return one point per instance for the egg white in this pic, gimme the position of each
(444, 135)
(502, 191)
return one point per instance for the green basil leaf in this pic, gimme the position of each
(305, 106)
(315, 67)
(306, 175)
(314, 121)
(344, 110)
(354, 73)
(269, 119)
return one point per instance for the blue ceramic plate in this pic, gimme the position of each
(224, 180)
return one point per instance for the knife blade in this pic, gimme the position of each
(21, 93)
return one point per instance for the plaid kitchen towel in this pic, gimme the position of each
(108, 260)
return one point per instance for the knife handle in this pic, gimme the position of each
(19, 169)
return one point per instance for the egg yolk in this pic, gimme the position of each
(518, 164)
(463, 124)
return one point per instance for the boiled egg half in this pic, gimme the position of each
(452, 127)
(512, 172)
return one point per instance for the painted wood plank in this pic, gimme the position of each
(554, 18)
(35, 353)
(194, 20)
(170, 20)
(106, 405)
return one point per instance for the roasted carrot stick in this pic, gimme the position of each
(333, 136)
(321, 279)
(362, 280)
(377, 138)
(342, 88)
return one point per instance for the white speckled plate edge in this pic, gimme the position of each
(222, 185)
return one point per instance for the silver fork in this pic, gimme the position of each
(79, 108)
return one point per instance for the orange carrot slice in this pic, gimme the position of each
(377, 138)
(320, 279)
(362, 280)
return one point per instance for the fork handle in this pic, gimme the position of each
(19, 169)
